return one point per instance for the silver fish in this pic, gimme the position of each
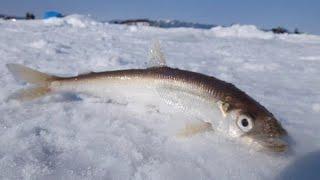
(241, 116)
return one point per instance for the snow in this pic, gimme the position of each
(74, 136)
(241, 31)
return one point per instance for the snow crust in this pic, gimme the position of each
(81, 137)
(241, 31)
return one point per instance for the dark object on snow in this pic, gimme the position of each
(178, 24)
(296, 31)
(52, 14)
(6, 17)
(143, 22)
(162, 23)
(28, 16)
(279, 30)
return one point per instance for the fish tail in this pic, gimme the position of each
(41, 82)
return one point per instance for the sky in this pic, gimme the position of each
(301, 14)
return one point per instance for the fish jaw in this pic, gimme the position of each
(275, 144)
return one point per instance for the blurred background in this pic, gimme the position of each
(293, 15)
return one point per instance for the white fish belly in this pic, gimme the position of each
(185, 97)
(108, 87)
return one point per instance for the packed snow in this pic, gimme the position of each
(72, 136)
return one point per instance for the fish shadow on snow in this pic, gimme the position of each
(61, 97)
(70, 97)
(305, 167)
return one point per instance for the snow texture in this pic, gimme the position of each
(75, 136)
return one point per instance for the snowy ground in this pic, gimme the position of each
(79, 137)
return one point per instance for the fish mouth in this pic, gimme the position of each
(274, 144)
(269, 143)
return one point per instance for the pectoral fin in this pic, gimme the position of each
(224, 107)
(195, 128)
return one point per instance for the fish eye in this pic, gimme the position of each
(245, 123)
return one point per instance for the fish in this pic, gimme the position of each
(241, 116)
(232, 111)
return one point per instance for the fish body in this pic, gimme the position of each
(240, 115)
(150, 79)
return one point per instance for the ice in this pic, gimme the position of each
(74, 136)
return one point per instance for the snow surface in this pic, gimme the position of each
(81, 137)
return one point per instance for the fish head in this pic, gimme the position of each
(257, 127)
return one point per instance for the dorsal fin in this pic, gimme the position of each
(157, 58)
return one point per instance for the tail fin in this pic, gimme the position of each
(29, 93)
(39, 79)
(29, 75)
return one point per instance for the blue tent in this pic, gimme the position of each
(51, 14)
